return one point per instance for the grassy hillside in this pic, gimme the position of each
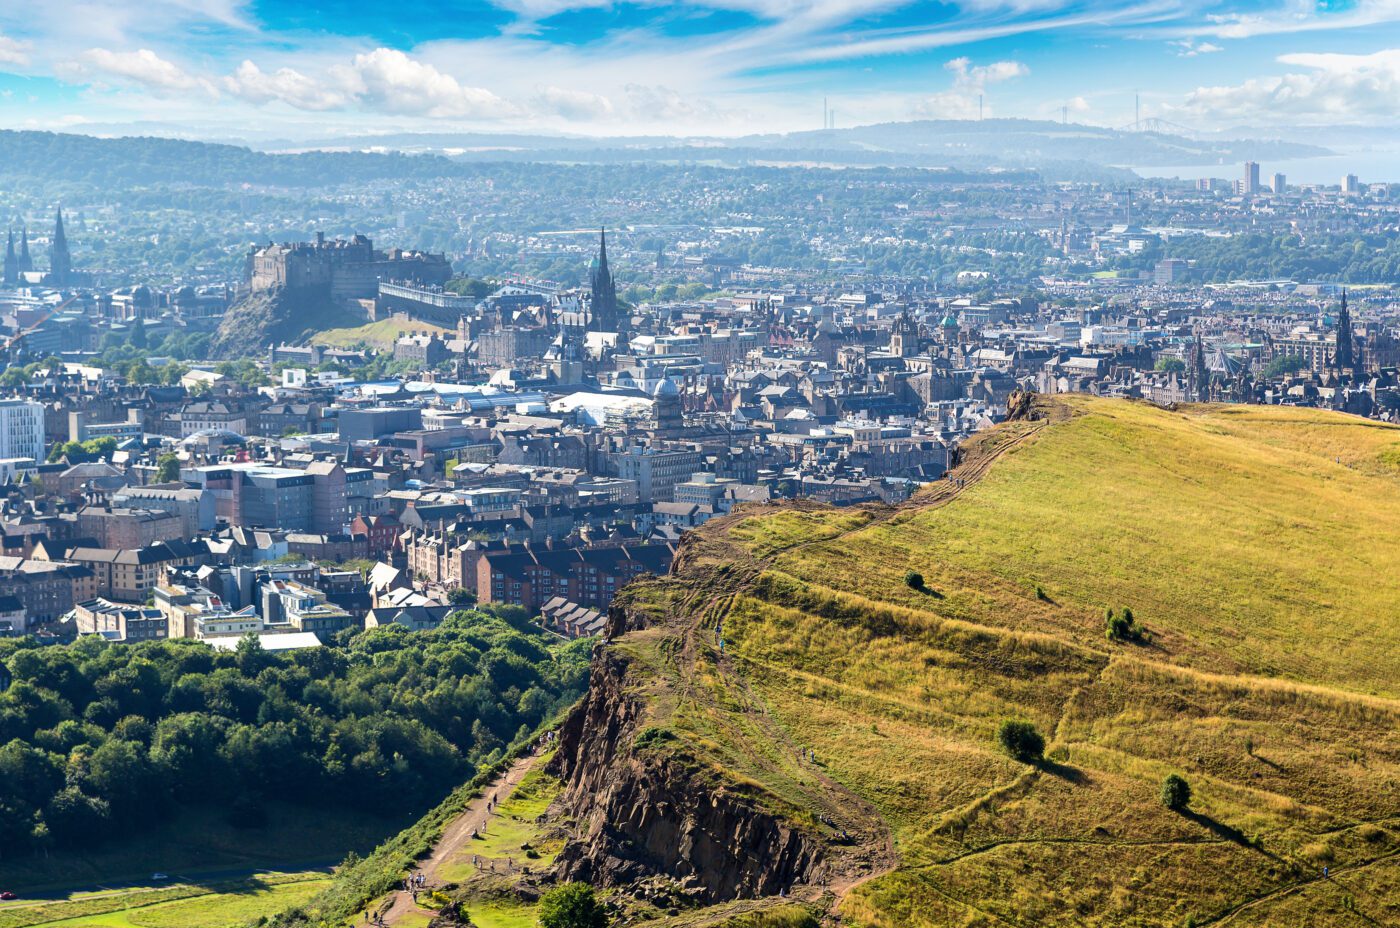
(380, 335)
(1256, 548)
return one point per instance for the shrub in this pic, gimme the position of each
(1122, 627)
(1176, 793)
(914, 580)
(1021, 741)
(572, 905)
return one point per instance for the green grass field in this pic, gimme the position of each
(227, 905)
(380, 335)
(1257, 548)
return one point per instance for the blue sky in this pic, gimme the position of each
(304, 69)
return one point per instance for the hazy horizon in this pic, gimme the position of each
(704, 67)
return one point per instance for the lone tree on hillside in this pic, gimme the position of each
(1020, 740)
(572, 905)
(914, 580)
(1122, 627)
(1176, 793)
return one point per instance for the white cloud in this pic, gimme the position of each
(968, 75)
(143, 67)
(13, 51)
(1295, 16)
(1336, 87)
(655, 103)
(969, 82)
(285, 85)
(387, 80)
(1190, 48)
(573, 104)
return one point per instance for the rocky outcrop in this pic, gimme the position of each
(283, 314)
(638, 809)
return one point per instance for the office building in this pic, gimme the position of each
(21, 429)
(1250, 186)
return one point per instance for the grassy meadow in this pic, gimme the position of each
(1256, 548)
(380, 335)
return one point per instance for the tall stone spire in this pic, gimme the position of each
(60, 262)
(1344, 357)
(602, 312)
(1199, 374)
(11, 260)
(26, 263)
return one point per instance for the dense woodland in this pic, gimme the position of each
(98, 739)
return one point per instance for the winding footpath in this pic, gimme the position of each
(455, 837)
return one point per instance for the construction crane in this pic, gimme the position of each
(12, 344)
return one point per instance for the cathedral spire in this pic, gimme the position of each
(60, 261)
(602, 311)
(26, 263)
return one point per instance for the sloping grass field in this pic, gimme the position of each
(1259, 550)
(380, 335)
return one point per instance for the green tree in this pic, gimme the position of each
(1176, 793)
(167, 468)
(572, 905)
(1021, 741)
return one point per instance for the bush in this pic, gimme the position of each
(572, 905)
(1122, 627)
(1176, 793)
(914, 580)
(1021, 741)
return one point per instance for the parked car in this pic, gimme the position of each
(7, 895)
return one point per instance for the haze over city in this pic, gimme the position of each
(717, 464)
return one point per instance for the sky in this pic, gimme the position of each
(318, 69)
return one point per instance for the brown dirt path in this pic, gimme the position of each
(456, 835)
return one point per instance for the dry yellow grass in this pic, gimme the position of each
(1256, 546)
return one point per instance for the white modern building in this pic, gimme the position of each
(21, 429)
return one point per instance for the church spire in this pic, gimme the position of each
(602, 310)
(1199, 375)
(60, 262)
(26, 263)
(1344, 357)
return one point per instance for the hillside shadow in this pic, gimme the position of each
(1226, 832)
(1063, 771)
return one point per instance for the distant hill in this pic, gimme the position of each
(810, 705)
(961, 144)
(1002, 149)
(136, 161)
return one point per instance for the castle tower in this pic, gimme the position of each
(11, 276)
(60, 261)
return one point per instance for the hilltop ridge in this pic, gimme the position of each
(792, 696)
